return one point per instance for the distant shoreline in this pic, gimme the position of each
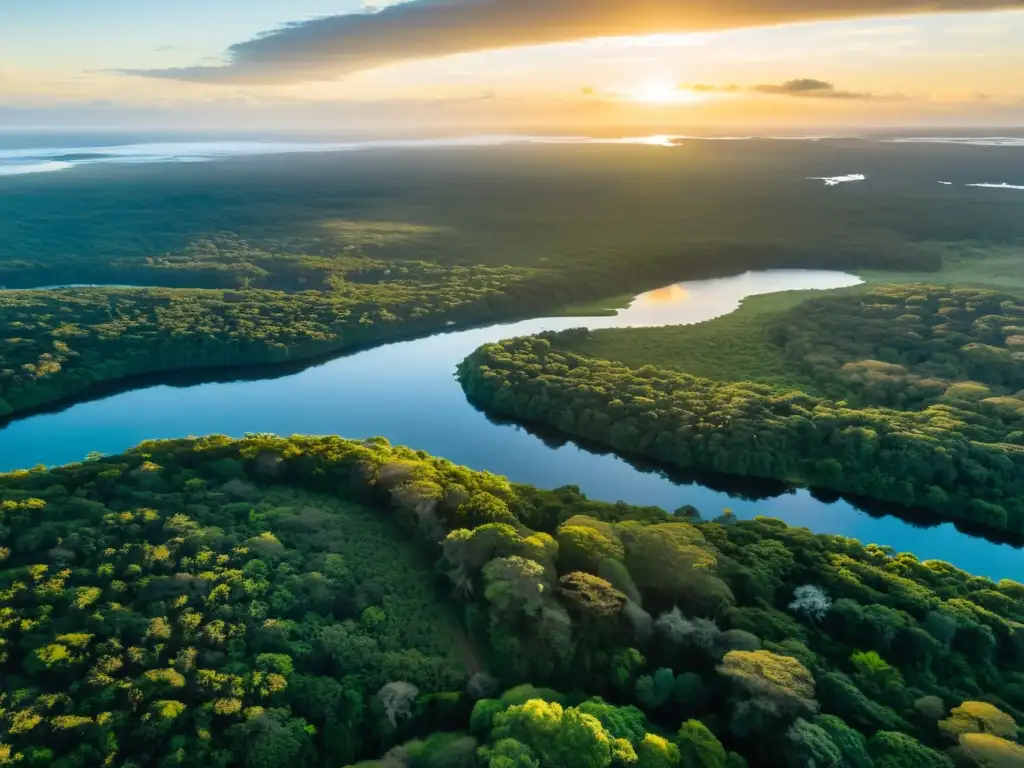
(29, 160)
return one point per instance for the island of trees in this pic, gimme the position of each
(272, 602)
(911, 394)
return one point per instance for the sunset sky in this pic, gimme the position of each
(492, 64)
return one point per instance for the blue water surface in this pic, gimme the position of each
(407, 393)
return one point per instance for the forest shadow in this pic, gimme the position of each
(754, 489)
(183, 378)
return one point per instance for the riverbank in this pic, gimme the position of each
(398, 571)
(64, 345)
(904, 394)
(368, 393)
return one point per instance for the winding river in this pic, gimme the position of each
(406, 391)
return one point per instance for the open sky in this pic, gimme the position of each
(508, 64)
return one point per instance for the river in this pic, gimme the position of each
(406, 391)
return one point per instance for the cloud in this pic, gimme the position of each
(804, 87)
(807, 87)
(705, 88)
(327, 47)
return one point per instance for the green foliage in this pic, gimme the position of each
(912, 398)
(192, 628)
(655, 691)
(172, 227)
(446, 750)
(840, 696)
(656, 752)
(986, 750)
(667, 557)
(735, 347)
(508, 753)
(183, 597)
(898, 750)
(771, 690)
(278, 263)
(627, 723)
(58, 344)
(698, 746)
(978, 717)
(617, 574)
(875, 669)
(557, 736)
(763, 673)
(811, 746)
(584, 548)
(592, 598)
(515, 584)
(852, 745)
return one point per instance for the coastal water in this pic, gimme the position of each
(35, 153)
(31, 155)
(407, 392)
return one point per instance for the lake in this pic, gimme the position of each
(407, 392)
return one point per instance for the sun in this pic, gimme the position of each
(663, 92)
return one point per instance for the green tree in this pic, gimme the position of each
(508, 753)
(852, 744)
(515, 583)
(978, 717)
(657, 690)
(656, 752)
(556, 736)
(898, 750)
(665, 557)
(272, 739)
(875, 670)
(769, 688)
(621, 722)
(986, 750)
(616, 574)
(593, 598)
(481, 508)
(698, 746)
(810, 746)
(468, 551)
(583, 548)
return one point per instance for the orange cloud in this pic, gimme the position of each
(325, 48)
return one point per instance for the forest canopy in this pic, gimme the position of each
(918, 397)
(57, 344)
(273, 602)
(277, 602)
(266, 260)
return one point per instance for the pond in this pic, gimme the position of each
(407, 392)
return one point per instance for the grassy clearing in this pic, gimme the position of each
(965, 265)
(735, 347)
(379, 233)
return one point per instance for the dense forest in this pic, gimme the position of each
(917, 398)
(58, 343)
(515, 205)
(277, 602)
(273, 602)
(265, 260)
(905, 346)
